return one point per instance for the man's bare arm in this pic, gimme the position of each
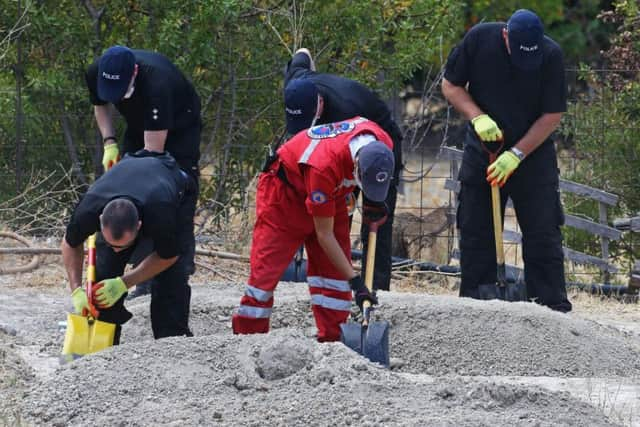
(154, 140)
(148, 268)
(329, 243)
(104, 114)
(539, 132)
(460, 99)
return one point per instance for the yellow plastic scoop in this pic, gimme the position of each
(86, 334)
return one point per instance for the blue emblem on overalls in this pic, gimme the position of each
(318, 197)
(330, 130)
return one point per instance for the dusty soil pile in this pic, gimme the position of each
(443, 335)
(284, 378)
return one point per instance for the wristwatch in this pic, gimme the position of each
(518, 153)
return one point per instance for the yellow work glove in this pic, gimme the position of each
(499, 171)
(80, 301)
(110, 157)
(108, 292)
(486, 129)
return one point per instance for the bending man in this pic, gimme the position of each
(138, 203)
(315, 98)
(302, 198)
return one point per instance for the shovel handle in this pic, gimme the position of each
(497, 223)
(368, 277)
(370, 263)
(91, 274)
(497, 232)
(374, 224)
(493, 154)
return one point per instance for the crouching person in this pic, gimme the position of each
(302, 199)
(138, 205)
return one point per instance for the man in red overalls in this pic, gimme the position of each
(302, 198)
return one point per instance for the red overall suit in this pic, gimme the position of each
(313, 176)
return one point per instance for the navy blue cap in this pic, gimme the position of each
(525, 39)
(300, 104)
(375, 170)
(115, 70)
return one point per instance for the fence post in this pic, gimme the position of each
(453, 209)
(604, 241)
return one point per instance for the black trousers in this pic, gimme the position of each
(170, 291)
(384, 237)
(533, 188)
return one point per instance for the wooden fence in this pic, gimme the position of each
(601, 228)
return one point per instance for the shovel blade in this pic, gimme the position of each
(372, 341)
(509, 292)
(84, 336)
(376, 343)
(351, 336)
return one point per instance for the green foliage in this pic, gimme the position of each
(233, 50)
(602, 125)
(574, 25)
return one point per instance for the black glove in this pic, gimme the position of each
(374, 212)
(361, 292)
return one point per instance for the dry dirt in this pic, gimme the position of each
(455, 362)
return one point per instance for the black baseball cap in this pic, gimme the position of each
(300, 104)
(375, 170)
(525, 33)
(115, 70)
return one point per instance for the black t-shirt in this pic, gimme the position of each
(514, 98)
(153, 182)
(345, 98)
(163, 99)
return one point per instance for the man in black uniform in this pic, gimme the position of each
(516, 92)
(142, 198)
(317, 98)
(159, 104)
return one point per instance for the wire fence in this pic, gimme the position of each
(424, 224)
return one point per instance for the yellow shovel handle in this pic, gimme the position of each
(497, 223)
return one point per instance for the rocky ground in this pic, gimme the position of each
(455, 362)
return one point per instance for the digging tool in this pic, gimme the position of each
(371, 339)
(87, 334)
(502, 289)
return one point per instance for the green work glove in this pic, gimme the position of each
(486, 129)
(499, 171)
(80, 301)
(110, 157)
(107, 292)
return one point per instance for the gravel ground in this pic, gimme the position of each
(448, 355)
(284, 378)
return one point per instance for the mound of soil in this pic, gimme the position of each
(283, 378)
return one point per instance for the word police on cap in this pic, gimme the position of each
(529, 48)
(111, 76)
(290, 111)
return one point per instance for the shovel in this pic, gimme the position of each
(87, 334)
(501, 289)
(371, 339)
